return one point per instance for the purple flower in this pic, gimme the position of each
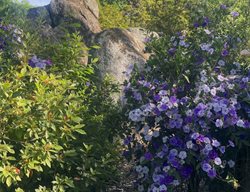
(217, 161)
(157, 97)
(212, 154)
(205, 22)
(127, 140)
(163, 107)
(48, 62)
(147, 40)
(234, 14)
(212, 173)
(222, 6)
(166, 180)
(148, 156)
(172, 51)
(186, 171)
(219, 123)
(137, 96)
(222, 149)
(36, 62)
(206, 167)
(196, 25)
(224, 52)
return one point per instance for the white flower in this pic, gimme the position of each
(240, 123)
(205, 47)
(206, 140)
(203, 73)
(207, 31)
(245, 79)
(230, 86)
(213, 91)
(166, 168)
(219, 123)
(135, 115)
(189, 144)
(172, 38)
(163, 188)
(164, 139)
(217, 161)
(211, 51)
(189, 112)
(182, 155)
(206, 89)
(204, 79)
(221, 78)
(165, 99)
(138, 168)
(221, 63)
(176, 182)
(215, 143)
(163, 92)
(155, 189)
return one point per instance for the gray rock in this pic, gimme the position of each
(85, 12)
(40, 13)
(245, 52)
(120, 50)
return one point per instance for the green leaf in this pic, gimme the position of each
(82, 132)
(95, 60)
(76, 119)
(186, 77)
(19, 190)
(95, 47)
(8, 181)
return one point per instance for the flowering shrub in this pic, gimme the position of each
(189, 110)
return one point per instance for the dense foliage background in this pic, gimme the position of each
(186, 121)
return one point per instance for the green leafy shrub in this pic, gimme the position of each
(112, 16)
(59, 123)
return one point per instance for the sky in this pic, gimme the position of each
(39, 2)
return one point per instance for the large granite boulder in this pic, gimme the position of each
(86, 12)
(120, 50)
(64, 13)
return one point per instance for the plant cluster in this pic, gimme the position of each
(59, 123)
(189, 110)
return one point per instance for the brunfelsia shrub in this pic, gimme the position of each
(189, 110)
(56, 129)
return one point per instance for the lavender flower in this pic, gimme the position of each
(234, 14)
